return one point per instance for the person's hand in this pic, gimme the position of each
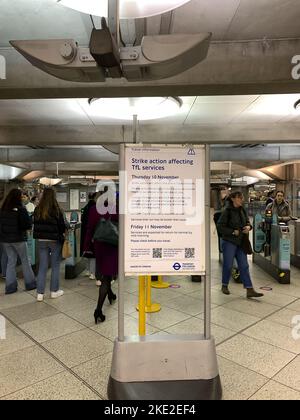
(246, 229)
(236, 232)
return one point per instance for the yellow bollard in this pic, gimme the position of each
(142, 305)
(150, 307)
(160, 284)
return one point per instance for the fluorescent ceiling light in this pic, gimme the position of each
(144, 108)
(9, 172)
(50, 182)
(129, 9)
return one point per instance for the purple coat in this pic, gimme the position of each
(106, 255)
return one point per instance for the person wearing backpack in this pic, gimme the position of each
(14, 223)
(106, 256)
(234, 227)
(49, 229)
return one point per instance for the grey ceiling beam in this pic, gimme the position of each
(220, 154)
(57, 155)
(101, 135)
(248, 67)
(30, 157)
(70, 167)
(60, 135)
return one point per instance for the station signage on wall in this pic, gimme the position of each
(164, 210)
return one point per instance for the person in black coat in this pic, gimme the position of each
(49, 229)
(234, 227)
(91, 259)
(14, 223)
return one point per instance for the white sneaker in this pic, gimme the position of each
(98, 283)
(40, 297)
(55, 295)
(92, 277)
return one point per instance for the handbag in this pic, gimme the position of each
(246, 245)
(107, 231)
(66, 249)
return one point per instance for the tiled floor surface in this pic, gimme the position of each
(54, 350)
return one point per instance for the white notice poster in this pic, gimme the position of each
(165, 205)
(74, 199)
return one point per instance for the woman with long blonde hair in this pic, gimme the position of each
(49, 230)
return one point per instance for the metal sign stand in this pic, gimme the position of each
(166, 367)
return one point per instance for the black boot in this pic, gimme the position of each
(225, 290)
(98, 315)
(112, 297)
(251, 293)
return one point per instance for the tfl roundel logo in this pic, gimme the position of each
(177, 266)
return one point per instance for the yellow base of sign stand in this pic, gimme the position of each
(155, 307)
(160, 284)
(148, 306)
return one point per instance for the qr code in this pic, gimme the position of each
(189, 252)
(157, 253)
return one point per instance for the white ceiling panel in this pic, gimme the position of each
(226, 19)
(214, 113)
(208, 110)
(42, 112)
(256, 19)
(41, 19)
(236, 99)
(205, 16)
(97, 119)
(269, 108)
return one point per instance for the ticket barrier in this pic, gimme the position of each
(295, 242)
(272, 246)
(74, 265)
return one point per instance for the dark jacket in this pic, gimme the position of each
(84, 223)
(52, 229)
(232, 219)
(14, 224)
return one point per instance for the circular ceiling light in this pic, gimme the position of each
(129, 9)
(143, 108)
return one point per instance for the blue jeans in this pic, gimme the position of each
(231, 251)
(13, 251)
(46, 249)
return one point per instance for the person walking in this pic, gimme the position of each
(281, 208)
(106, 259)
(27, 203)
(90, 256)
(14, 223)
(49, 229)
(271, 197)
(234, 227)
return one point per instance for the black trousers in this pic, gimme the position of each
(105, 290)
